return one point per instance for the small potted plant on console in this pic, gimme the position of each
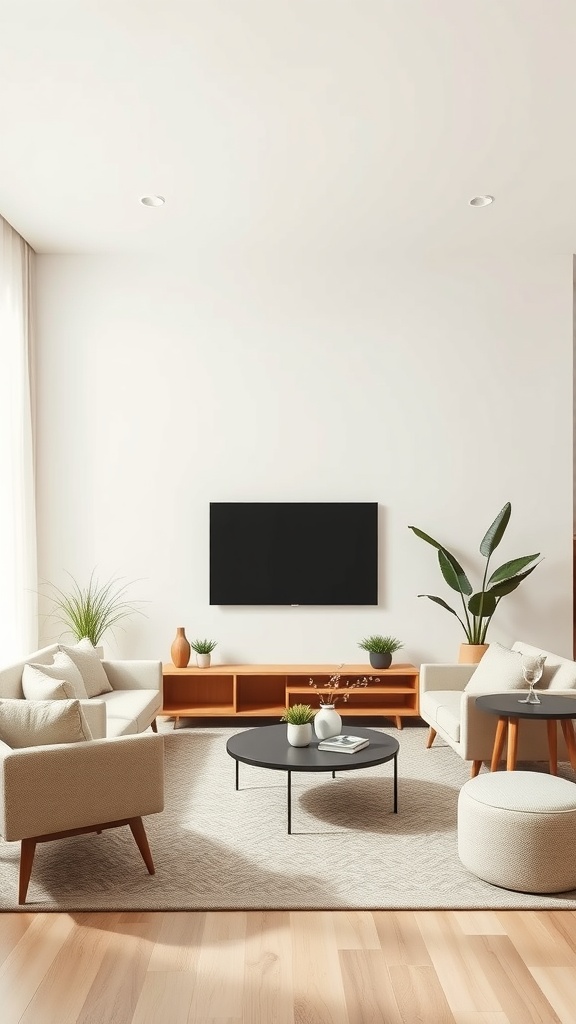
(380, 649)
(203, 650)
(299, 729)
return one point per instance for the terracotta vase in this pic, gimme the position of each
(180, 649)
(471, 654)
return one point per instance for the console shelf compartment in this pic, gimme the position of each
(243, 691)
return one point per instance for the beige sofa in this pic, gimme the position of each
(131, 706)
(452, 715)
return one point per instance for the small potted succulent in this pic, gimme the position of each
(299, 729)
(380, 649)
(203, 650)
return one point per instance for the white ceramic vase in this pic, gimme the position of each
(327, 722)
(299, 735)
(203, 660)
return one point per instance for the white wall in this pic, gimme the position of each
(439, 388)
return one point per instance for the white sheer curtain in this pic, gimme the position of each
(18, 573)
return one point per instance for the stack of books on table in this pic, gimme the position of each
(344, 743)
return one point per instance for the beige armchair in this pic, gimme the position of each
(451, 711)
(66, 789)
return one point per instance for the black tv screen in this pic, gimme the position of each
(291, 553)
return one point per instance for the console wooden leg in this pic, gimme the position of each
(27, 851)
(498, 743)
(431, 737)
(512, 744)
(139, 833)
(154, 725)
(552, 730)
(476, 766)
(568, 730)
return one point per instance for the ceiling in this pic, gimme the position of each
(359, 127)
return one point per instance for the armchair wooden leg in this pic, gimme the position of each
(139, 833)
(431, 737)
(476, 766)
(154, 725)
(27, 851)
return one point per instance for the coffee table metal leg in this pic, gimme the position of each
(333, 775)
(237, 763)
(289, 803)
(395, 783)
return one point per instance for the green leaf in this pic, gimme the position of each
(429, 539)
(485, 598)
(494, 534)
(511, 568)
(507, 586)
(442, 603)
(453, 573)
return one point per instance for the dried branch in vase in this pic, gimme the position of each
(339, 688)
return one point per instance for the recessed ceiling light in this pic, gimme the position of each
(481, 201)
(152, 200)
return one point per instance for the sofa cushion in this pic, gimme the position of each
(500, 670)
(138, 706)
(442, 707)
(27, 723)
(116, 726)
(61, 669)
(86, 658)
(559, 673)
(38, 685)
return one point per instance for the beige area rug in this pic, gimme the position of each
(216, 848)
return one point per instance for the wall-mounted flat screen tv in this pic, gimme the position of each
(294, 553)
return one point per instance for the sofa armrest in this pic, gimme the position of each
(445, 677)
(134, 675)
(95, 714)
(63, 786)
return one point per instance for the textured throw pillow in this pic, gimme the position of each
(33, 723)
(62, 669)
(39, 686)
(499, 670)
(86, 659)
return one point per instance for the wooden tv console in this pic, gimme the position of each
(252, 691)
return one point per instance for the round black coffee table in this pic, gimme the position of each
(268, 747)
(552, 709)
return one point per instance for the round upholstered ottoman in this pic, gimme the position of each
(518, 830)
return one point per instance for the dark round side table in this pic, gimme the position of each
(268, 747)
(552, 709)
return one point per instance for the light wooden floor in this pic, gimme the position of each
(467, 967)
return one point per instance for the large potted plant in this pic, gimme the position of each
(478, 607)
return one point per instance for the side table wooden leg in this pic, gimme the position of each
(512, 744)
(498, 743)
(568, 730)
(552, 730)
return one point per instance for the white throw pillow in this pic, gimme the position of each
(62, 669)
(500, 670)
(86, 659)
(38, 685)
(33, 723)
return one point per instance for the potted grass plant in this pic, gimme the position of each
(380, 649)
(479, 606)
(299, 728)
(92, 609)
(203, 650)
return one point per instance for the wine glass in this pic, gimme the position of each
(532, 669)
